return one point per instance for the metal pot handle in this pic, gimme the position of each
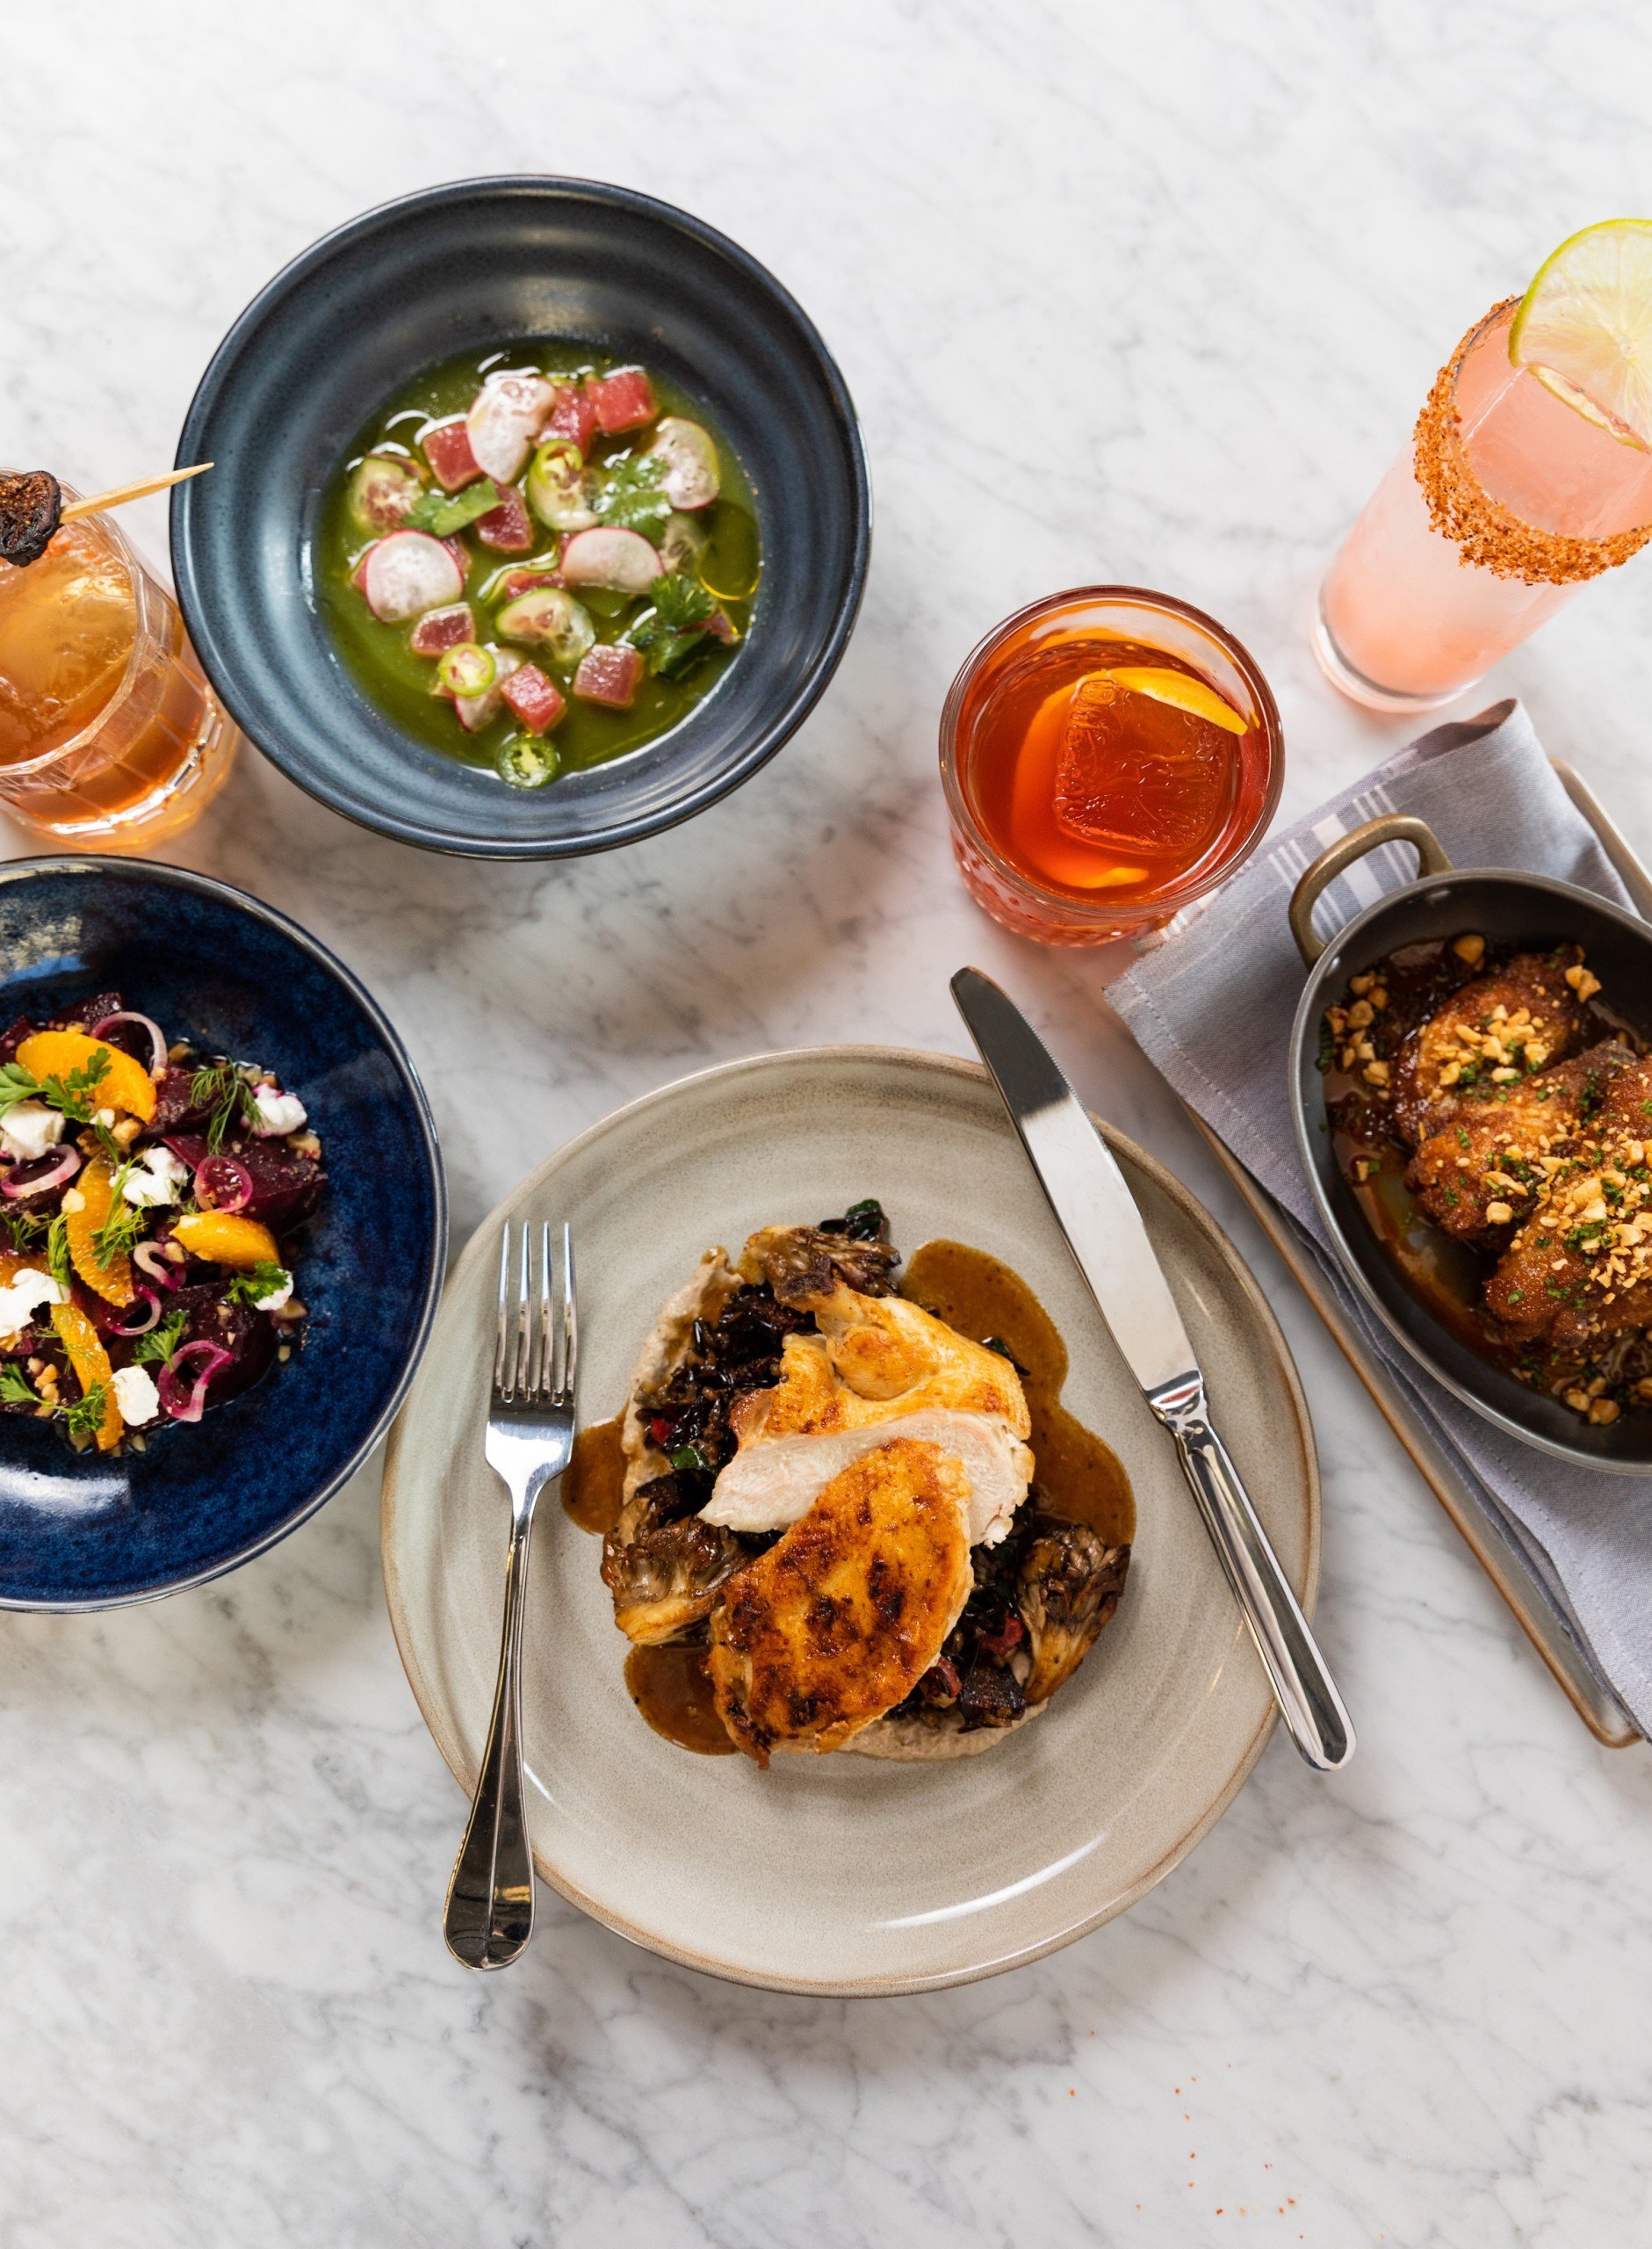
(1393, 827)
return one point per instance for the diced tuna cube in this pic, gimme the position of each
(624, 400)
(536, 701)
(442, 628)
(448, 450)
(523, 582)
(572, 415)
(610, 674)
(509, 527)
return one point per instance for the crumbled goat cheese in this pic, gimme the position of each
(136, 1395)
(30, 1130)
(277, 1297)
(17, 1300)
(154, 1179)
(277, 1112)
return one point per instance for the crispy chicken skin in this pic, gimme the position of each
(841, 1618)
(1445, 1068)
(1475, 1178)
(1578, 1275)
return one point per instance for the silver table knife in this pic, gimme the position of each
(1103, 1228)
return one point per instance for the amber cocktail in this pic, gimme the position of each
(1108, 756)
(110, 736)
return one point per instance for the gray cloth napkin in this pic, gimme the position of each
(1211, 1002)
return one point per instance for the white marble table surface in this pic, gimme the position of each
(1142, 294)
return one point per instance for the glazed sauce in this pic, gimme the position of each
(593, 1481)
(1448, 1275)
(671, 1687)
(1076, 1475)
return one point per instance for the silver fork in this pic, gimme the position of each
(489, 1916)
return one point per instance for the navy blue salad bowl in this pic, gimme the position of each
(212, 965)
(463, 267)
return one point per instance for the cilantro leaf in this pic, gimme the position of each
(681, 602)
(442, 513)
(631, 498)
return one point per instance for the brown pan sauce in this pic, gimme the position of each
(1076, 1476)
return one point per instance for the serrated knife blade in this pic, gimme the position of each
(1104, 1229)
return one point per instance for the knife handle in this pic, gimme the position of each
(1313, 1711)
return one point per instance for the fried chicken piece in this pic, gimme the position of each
(1480, 1176)
(838, 1620)
(1523, 1018)
(1069, 1586)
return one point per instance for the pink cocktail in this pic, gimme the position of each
(1506, 501)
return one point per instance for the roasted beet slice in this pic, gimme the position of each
(175, 1104)
(24, 1027)
(249, 1336)
(285, 1184)
(85, 1013)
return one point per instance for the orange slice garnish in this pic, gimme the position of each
(1185, 691)
(123, 1083)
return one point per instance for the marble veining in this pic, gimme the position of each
(1123, 293)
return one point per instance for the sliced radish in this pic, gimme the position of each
(476, 710)
(547, 618)
(624, 400)
(407, 574)
(448, 450)
(609, 675)
(556, 486)
(382, 489)
(536, 701)
(507, 528)
(620, 559)
(505, 418)
(692, 478)
(442, 628)
(572, 415)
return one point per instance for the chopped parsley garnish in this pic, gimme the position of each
(630, 496)
(83, 1416)
(442, 513)
(16, 1389)
(261, 1280)
(688, 1459)
(71, 1096)
(159, 1346)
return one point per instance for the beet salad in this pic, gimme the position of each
(149, 1196)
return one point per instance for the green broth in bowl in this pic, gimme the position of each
(536, 559)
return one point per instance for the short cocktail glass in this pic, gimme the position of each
(1108, 756)
(1506, 502)
(110, 736)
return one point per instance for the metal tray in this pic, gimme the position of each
(1516, 1576)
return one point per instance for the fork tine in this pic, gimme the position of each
(504, 1291)
(570, 1324)
(525, 1329)
(547, 1334)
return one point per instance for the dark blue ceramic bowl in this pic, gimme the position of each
(459, 268)
(211, 963)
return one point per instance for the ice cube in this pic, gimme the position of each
(1137, 771)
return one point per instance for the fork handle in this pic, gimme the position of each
(489, 1915)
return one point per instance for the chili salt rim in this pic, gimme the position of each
(1489, 533)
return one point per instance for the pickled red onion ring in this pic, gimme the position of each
(157, 1036)
(61, 1172)
(222, 1184)
(153, 1314)
(150, 1258)
(185, 1405)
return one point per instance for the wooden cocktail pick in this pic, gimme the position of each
(32, 508)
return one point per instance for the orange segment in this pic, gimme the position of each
(113, 1281)
(125, 1083)
(92, 1369)
(227, 1239)
(1181, 689)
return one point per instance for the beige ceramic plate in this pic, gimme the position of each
(840, 1874)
